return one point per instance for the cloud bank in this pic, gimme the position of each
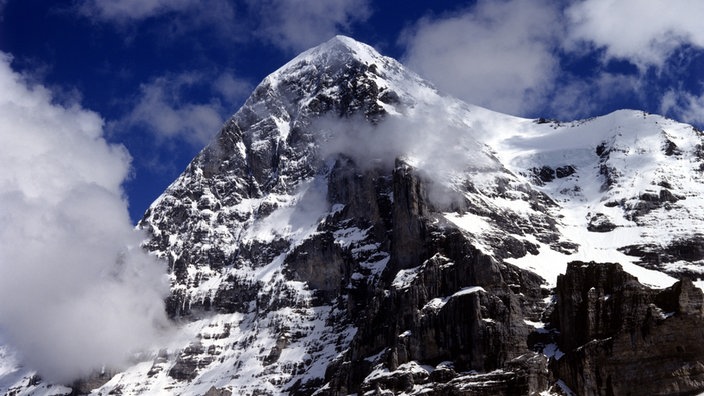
(162, 107)
(519, 56)
(645, 33)
(433, 138)
(497, 54)
(125, 10)
(292, 25)
(76, 291)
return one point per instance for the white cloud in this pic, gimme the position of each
(76, 291)
(498, 54)
(684, 106)
(648, 34)
(163, 111)
(175, 20)
(582, 97)
(643, 32)
(124, 10)
(288, 24)
(232, 89)
(430, 135)
(300, 24)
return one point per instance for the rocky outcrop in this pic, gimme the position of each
(546, 174)
(373, 259)
(322, 264)
(599, 222)
(443, 304)
(622, 338)
(690, 250)
(410, 214)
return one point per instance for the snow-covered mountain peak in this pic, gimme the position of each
(350, 228)
(323, 185)
(343, 57)
(337, 53)
(340, 48)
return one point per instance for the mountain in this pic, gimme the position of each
(351, 230)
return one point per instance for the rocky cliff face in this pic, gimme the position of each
(620, 337)
(276, 220)
(353, 231)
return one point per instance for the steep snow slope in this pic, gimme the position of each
(351, 228)
(629, 185)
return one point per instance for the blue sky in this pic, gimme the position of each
(159, 77)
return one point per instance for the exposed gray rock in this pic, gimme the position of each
(620, 337)
(84, 386)
(322, 264)
(546, 174)
(458, 305)
(657, 256)
(189, 362)
(599, 222)
(213, 391)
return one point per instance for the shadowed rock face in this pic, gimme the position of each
(623, 338)
(455, 307)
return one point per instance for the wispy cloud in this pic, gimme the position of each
(292, 25)
(170, 21)
(498, 54)
(3, 3)
(299, 24)
(76, 291)
(163, 108)
(659, 38)
(684, 106)
(514, 56)
(125, 10)
(645, 33)
(231, 88)
(578, 97)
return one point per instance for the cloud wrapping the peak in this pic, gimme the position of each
(645, 33)
(497, 54)
(76, 291)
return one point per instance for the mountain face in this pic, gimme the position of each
(353, 231)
